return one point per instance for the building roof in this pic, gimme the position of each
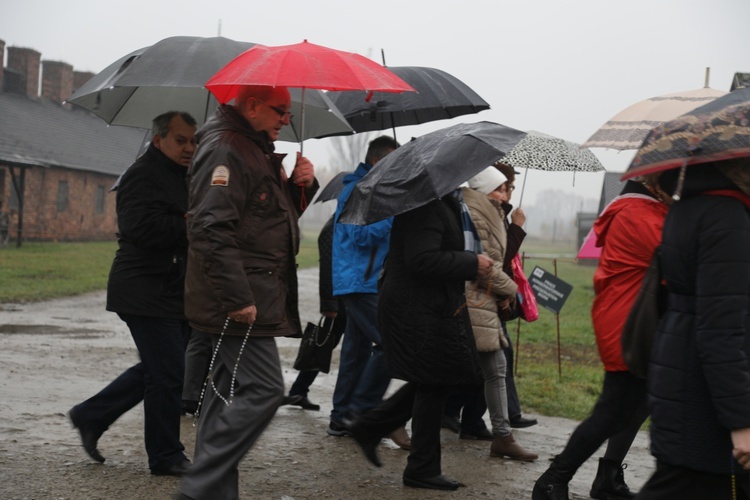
(42, 132)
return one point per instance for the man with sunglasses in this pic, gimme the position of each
(241, 284)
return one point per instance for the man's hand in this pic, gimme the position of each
(244, 315)
(741, 442)
(303, 173)
(518, 217)
(330, 314)
(484, 265)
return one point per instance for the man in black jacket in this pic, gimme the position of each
(145, 288)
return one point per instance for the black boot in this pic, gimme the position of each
(609, 483)
(553, 484)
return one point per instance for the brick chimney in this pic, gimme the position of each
(2, 63)
(26, 63)
(57, 80)
(80, 78)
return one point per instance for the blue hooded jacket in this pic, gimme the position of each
(359, 252)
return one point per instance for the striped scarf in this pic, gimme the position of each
(472, 242)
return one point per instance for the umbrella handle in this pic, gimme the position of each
(523, 186)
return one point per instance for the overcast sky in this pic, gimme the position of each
(559, 67)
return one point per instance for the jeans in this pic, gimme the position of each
(363, 373)
(514, 404)
(156, 380)
(493, 368)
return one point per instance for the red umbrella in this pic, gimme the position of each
(303, 65)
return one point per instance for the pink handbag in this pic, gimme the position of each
(527, 306)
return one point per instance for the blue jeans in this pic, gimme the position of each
(363, 373)
(156, 380)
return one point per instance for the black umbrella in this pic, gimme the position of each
(439, 96)
(333, 189)
(427, 168)
(170, 76)
(716, 131)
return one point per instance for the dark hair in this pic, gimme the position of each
(507, 171)
(380, 147)
(160, 126)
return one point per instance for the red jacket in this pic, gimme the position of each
(629, 230)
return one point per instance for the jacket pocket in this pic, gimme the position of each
(270, 292)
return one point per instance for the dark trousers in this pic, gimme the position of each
(678, 483)
(468, 404)
(197, 359)
(617, 415)
(423, 404)
(156, 380)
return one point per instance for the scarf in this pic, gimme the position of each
(472, 243)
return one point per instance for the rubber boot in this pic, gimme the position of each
(553, 484)
(506, 446)
(609, 483)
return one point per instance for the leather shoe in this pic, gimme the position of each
(89, 438)
(433, 483)
(520, 422)
(300, 401)
(178, 469)
(367, 443)
(481, 435)
(453, 424)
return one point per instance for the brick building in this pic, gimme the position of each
(57, 163)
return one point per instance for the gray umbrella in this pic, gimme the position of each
(170, 75)
(427, 168)
(439, 96)
(333, 189)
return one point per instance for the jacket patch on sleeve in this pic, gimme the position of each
(220, 176)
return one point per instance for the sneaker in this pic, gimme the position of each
(336, 429)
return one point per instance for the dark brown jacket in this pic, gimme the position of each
(242, 231)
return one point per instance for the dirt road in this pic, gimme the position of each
(55, 354)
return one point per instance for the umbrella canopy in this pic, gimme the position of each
(427, 168)
(588, 249)
(544, 152)
(303, 65)
(628, 128)
(439, 96)
(333, 189)
(719, 130)
(170, 75)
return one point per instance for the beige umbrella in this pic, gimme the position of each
(628, 128)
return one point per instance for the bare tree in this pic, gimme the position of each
(346, 152)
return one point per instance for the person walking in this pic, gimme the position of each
(241, 283)
(335, 319)
(145, 289)
(516, 235)
(426, 332)
(485, 298)
(359, 253)
(629, 230)
(699, 371)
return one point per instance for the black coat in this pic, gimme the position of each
(699, 374)
(422, 315)
(148, 273)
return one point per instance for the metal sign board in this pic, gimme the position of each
(550, 291)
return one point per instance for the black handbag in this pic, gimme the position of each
(316, 347)
(643, 320)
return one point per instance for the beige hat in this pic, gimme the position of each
(487, 180)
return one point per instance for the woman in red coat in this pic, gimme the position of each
(629, 230)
